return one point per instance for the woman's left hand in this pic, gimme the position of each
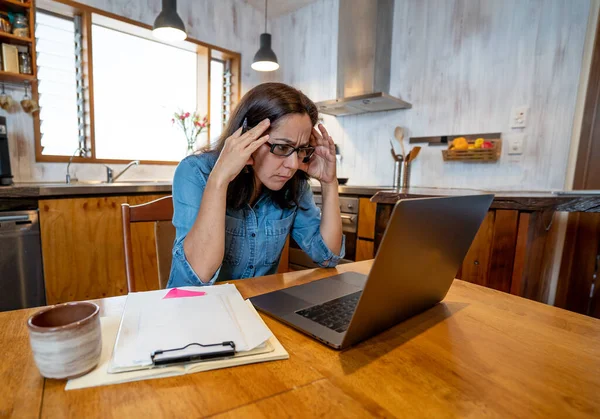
(321, 166)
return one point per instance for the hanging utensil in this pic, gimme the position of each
(6, 101)
(399, 134)
(413, 154)
(28, 104)
(395, 156)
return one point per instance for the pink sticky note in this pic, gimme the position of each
(177, 293)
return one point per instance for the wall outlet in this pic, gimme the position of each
(518, 117)
(515, 144)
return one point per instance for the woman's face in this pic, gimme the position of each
(274, 171)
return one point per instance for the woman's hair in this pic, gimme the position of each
(273, 101)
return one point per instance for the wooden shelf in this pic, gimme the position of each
(16, 77)
(13, 39)
(475, 155)
(16, 3)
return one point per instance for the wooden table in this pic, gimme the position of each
(479, 353)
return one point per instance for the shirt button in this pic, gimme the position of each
(251, 266)
(253, 234)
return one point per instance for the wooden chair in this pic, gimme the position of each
(159, 211)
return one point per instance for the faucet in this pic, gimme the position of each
(79, 150)
(109, 171)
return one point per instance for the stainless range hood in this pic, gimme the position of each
(364, 59)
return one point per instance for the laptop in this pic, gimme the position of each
(420, 253)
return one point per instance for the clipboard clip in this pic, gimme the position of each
(163, 357)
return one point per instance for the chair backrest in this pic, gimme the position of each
(165, 237)
(157, 211)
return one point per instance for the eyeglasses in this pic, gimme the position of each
(285, 150)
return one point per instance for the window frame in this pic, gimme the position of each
(205, 52)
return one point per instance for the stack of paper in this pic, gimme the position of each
(152, 322)
(168, 319)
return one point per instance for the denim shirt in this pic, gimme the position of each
(254, 236)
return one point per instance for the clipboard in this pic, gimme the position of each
(272, 350)
(156, 332)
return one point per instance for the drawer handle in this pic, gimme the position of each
(14, 218)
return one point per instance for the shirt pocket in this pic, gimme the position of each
(234, 240)
(277, 232)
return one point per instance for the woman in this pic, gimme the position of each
(236, 203)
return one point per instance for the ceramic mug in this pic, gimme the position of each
(65, 339)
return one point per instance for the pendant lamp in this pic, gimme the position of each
(265, 59)
(168, 26)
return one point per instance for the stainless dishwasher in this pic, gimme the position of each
(21, 273)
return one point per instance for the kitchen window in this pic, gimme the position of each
(109, 89)
(138, 84)
(217, 70)
(58, 90)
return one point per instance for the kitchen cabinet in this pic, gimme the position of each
(82, 247)
(364, 249)
(366, 229)
(513, 250)
(82, 238)
(490, 259)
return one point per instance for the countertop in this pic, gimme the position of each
(61, 190)
(568, 201)
(585, 201)
(356, 189)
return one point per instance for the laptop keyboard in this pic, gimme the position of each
(334, 314)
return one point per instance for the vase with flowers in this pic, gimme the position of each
(192, 124)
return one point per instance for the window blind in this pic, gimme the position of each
(58, 88)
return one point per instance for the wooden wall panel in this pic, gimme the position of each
(580, 263)
(534, 256)
(580, 267)
(82, 248)
(587, 169)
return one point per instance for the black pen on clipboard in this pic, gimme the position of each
(164, 357)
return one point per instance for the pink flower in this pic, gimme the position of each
(182, 117)
(196, 123)
(187, 114)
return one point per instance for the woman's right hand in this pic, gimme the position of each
(237, 152)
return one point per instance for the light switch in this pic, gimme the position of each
(515, 143)
(518, 117)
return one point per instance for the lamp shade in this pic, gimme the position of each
(265, 59)
(168, 26)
